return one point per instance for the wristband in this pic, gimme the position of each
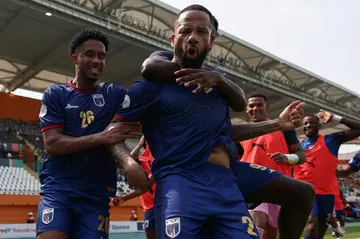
(292, 158)
(336, 119)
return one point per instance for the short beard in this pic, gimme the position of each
(191, 63)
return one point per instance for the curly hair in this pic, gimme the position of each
(86, 35)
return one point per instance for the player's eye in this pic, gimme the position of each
(89, 53)
(101, 56)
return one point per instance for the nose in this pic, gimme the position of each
(193, 39)
(95, 59)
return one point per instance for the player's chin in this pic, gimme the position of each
(93, 78)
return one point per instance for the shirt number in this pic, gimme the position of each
(87, 117)
(104, 224)
(247, 220)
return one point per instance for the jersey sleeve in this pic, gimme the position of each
(337, 138)
(51, 112)
(355, 162)
(290, 137)
(139, 99)
(164, 54)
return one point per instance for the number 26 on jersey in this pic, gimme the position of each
(86, 118)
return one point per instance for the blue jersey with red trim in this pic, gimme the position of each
(80, 112)
(180, 127)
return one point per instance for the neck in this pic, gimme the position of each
(82, 83)
(313, 137)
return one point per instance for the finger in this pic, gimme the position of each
(295, 117)
(194, 82)
(293, 104)
(129, 123)
(186, 71)
(185, 79)
(198, 89)
(300, 106)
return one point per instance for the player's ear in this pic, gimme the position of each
(74, 58)
(172, 40)
(212, 38)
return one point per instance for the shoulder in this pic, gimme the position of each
(109, 88)
(165, 54)
(55, 92)
(146, 86)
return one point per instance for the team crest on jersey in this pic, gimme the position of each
(172, 227)
(43, 110)
(98, 100)
(126, 103)
(47, 215)
(146, 224)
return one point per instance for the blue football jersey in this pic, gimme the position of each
(80, 112)
(355, 162)
(180, 127)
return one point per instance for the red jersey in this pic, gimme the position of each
(256, 150)
(146, 158)
(319, 168)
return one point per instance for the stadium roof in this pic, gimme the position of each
(34, 45)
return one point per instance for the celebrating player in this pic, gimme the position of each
(257, 184)
(277, 150)
(79, 175)
(320, 167)
(189, 136)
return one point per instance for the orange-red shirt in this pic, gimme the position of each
(146, 158)
(320, 168)
(256, 150)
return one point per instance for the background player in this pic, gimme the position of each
(189, 135)
(79, 175)
(321, 154)
(272, 151)
(147, 198)
(352, 167)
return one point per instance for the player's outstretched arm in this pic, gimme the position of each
(121, 199)
(352, 167)
(348, 135)
(56, 143)
(290, 118)
(344, 172)
(137, 176)
(135, 152)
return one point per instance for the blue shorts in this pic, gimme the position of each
(77, 215)
(149, 220)
(323, 207)
(202, 203)
(251, 177)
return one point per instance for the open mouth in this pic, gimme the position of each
(95, 71)
(191, 53)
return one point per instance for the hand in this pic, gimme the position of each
(202, 78)
(279, 158)
(117, 200)
(325, 115)
(137, 176)
(120, 131)
(292, 116)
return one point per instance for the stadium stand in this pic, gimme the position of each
(15, 180)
